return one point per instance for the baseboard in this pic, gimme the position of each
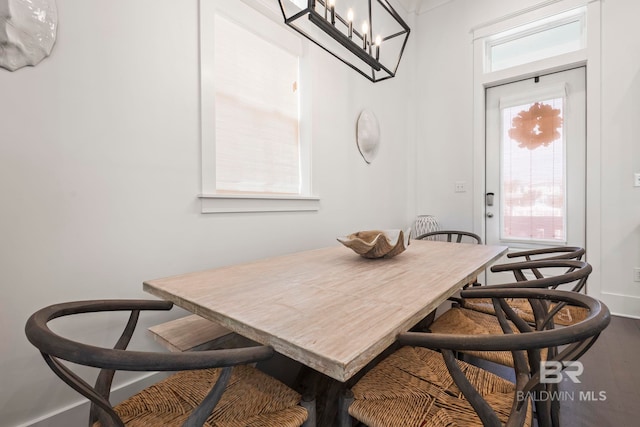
(622, 305)
(77, 414)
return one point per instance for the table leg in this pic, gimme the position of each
(330, 394)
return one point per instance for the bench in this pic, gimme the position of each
(191, 333)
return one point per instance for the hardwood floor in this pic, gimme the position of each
(609, 392)
(611, 367)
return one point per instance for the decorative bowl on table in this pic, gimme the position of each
(377, 243)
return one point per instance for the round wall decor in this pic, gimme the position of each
(27, 32)
(368, 135)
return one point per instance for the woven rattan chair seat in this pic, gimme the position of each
(412, 387)
(568, 315)
(462, 321)
(251, 398)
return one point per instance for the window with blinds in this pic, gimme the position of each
(533, 170)
(256, 108)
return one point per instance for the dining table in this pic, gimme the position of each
(329, 309)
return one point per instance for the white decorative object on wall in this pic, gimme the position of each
(368, 135)
(27, 32)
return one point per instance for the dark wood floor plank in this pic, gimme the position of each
(611, 366)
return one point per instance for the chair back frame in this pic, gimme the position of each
(451, 235)
(576, 274)
(555, 253)
(55, 349)
(578, 337)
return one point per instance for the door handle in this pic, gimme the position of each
(489, 214)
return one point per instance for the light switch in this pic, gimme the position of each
(636, 179)
(460, 186)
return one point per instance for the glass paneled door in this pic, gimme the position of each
(535, 162)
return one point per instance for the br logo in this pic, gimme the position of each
(551, 372)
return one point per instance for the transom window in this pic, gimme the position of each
(545, 38)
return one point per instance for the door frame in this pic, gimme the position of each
(590, 57)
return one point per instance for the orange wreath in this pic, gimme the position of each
(537, 126)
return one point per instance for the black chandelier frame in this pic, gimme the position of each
(362, 51)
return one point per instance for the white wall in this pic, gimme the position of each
(99, 163)
(445, 134)
(620, 155)
(100, 169)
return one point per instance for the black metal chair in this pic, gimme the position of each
(190, 397)
(417, 386)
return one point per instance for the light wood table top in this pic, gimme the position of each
(329, 309)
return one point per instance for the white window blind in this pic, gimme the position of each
(257, 146)
(533, 170)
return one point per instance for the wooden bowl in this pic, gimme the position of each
(377, 243)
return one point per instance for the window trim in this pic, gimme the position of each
(237, 203)
(591, 56)
(266, 22)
